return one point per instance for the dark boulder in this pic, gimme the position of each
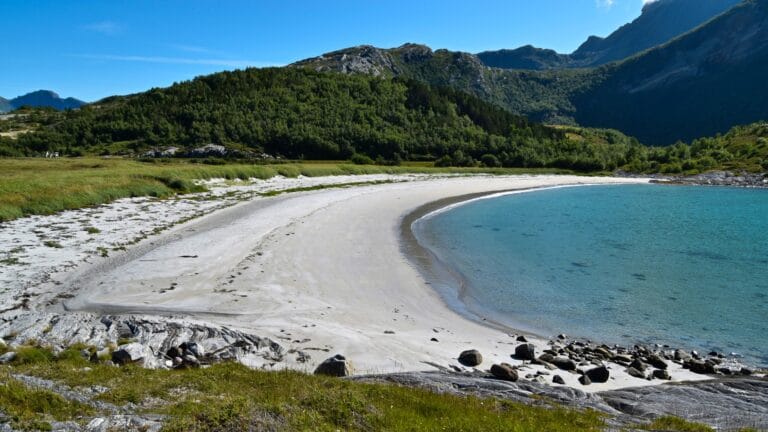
(635, 372)
(599, 374)
(661, 374)
(557, 379)
(470, 358)
(699, 367)
(525, 352)
(584, 380)
(546, 358)
(639, 365)
(564, 363)
(337, 366)
(657, 362)
(504, 371)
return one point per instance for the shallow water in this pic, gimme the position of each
(684, 266)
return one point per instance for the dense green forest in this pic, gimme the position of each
(305, 115)
(301, 114)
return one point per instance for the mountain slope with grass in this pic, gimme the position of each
(702, 83)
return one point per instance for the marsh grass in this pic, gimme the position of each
(45, 186)
(230, 396)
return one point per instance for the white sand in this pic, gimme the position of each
(321, 273)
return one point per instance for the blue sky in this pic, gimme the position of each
(91, 49)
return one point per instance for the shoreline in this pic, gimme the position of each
(447, 280)
(264, 268)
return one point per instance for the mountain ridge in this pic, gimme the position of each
(40, 98)
(698, 84)
(659, 22)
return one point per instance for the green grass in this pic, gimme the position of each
(47, 186)
(670, 423)
(33, 409)
(230, 396)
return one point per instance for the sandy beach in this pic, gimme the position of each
(321, 273)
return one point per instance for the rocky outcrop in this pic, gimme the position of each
(726, 403)
(143, 340)
(718, 178)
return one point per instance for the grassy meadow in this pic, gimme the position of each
(35, 186)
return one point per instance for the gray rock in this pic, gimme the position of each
(635, 372)
(130, 353)
(124, 423)
(470, 358)
(657, 362)
(564, 363)
(661, 374)
(525, 352)
(639, 365)
(337, 366)
(599, 374)
(504, 371)
(699, 367)
(195, 348)
(557, 379)
(681, 355)
(7, 357)
(190, 361)
(584, 380)
(546, 358)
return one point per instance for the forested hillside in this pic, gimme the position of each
(702, 83)
(301, 114)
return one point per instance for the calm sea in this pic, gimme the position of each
(684, 266)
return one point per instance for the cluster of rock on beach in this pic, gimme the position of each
(588, 360)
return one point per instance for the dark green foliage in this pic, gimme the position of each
(701, 83)
(302, 114)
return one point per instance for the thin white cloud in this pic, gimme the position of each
(190, 48)
(177, 60)
(605, 3)
(109, 28)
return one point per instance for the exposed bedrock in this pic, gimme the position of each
(727, 404)
(143, 340)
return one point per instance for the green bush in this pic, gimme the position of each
(361, 159)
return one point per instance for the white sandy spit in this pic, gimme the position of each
(320, 272)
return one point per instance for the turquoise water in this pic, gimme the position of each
(683, 266)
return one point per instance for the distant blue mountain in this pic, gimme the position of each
(40, 98)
